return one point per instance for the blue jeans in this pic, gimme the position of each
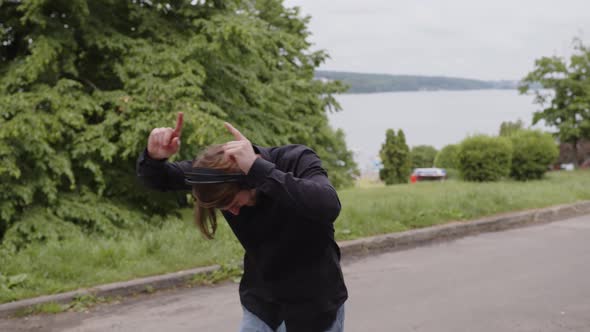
(251, 323)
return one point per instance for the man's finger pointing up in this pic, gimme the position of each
(236, 133)
(178, 128)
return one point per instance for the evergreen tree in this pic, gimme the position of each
(83, 82)
(395, 157)
(404, 158)
(387, 174)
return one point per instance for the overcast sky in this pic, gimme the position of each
(492, 40)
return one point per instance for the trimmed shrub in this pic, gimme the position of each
(448, 157)
(533, 151)
(485, 158)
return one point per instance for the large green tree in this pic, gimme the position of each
(564, 94)
(83, 82)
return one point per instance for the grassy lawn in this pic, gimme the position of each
(88, 261)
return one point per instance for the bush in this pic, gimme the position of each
(453, 174)
(532, 153)
(448, 157)
(485, 158)
(423, 156)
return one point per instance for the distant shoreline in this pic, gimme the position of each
(362, 83)
(433, 90)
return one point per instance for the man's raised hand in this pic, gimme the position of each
(164, 142)
(240, 151)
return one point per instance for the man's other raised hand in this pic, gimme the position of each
(164, 142)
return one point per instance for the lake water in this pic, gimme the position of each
(434, 118)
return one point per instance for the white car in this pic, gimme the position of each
(429, 174)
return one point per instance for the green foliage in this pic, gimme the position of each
(395, 156)
(532, 155)
(9, 282)
(86, 260)
(83, 82)
(423, 156)
(340, 162)
(485, 158)
(448, 157)
(453, 174)
(509, 128)
(565, 94)
(387, 154)
(404, 167)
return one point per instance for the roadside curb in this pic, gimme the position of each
(125, 288)
(350, 250)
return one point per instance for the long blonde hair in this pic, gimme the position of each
(208, 197)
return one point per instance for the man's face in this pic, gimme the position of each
(242, 198)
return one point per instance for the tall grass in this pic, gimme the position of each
(378, 210)
(88, 260)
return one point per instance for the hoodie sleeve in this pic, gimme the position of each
(162, 175)
(309, 192)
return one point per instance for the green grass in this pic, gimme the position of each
(378, 210)
(89, 260)
(86, 260)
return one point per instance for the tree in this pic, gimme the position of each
(423, 156)
(342, 167)
(395, 157)
(387, 174)
(509, 128)
(83, 82)
(565, 94)
(405, 162)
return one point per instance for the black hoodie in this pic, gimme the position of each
(291, 265)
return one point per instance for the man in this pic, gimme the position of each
(281, 209)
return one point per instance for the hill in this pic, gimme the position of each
(369, 83)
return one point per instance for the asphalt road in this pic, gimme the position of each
(530, 279)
